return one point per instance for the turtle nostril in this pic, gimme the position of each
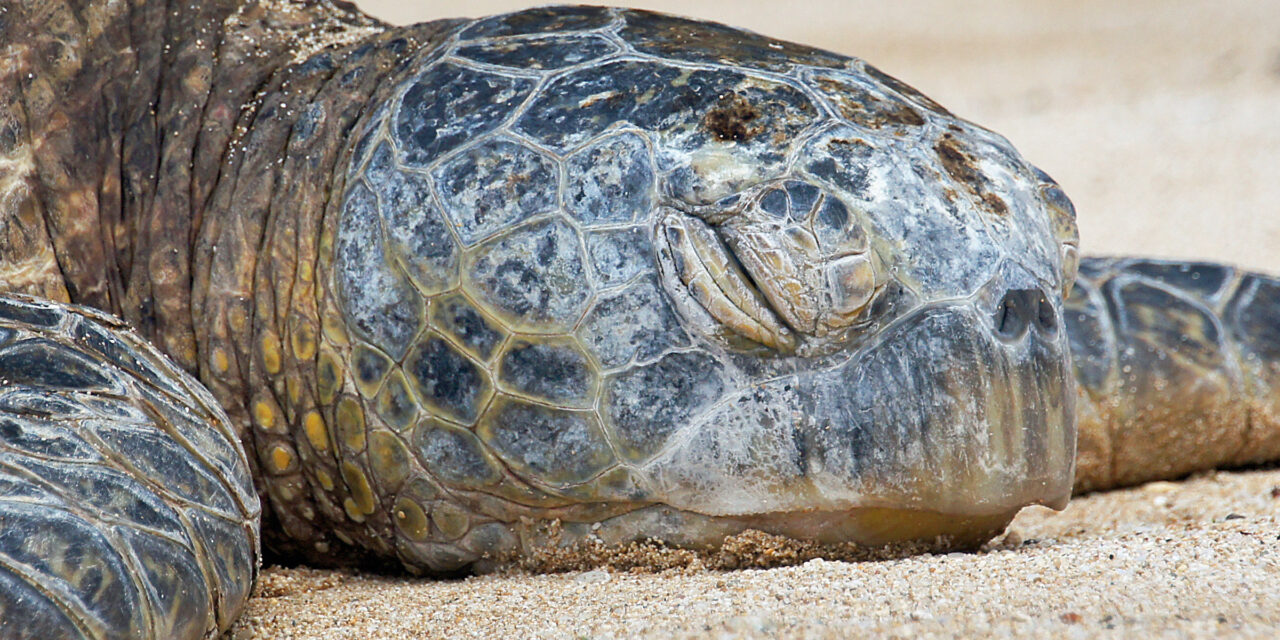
(1010, 318)
(1011, 315)
(1019, 308)
(1046, 317)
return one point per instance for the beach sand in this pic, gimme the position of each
(1162, 121)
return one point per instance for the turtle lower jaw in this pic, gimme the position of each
(645, 534)
(872, 526)
(877, 527)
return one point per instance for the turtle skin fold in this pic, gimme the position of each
(126, 504)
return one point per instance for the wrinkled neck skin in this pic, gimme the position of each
(124, 122)
(172, 164)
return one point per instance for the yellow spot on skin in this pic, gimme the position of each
(351, 423)
(238, 319)
(388, 458)
(325, 480)
(317, 435)
(305, 271)
(452, 521)
(358, 483)
(220, 361)
(264, 415)
(328, 377)
(352, 510)
(281, 458)
(333, 330)
(271, 353)
(186, 353)
(304, 342)
(411, 520)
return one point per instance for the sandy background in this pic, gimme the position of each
(1161, 119)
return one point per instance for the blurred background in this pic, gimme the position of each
(1161, 118)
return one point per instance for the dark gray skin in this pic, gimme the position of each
(422, 292)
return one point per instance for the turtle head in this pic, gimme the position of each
(584, 269)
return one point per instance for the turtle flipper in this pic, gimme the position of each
(1178, 366)
(126, 503)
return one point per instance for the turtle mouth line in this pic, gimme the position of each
(716, 281)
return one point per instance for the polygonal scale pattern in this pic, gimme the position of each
(503, 316)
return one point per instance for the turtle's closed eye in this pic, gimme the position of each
(714, 280)
(791, 266)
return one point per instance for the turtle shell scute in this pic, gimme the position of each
(861, 101)
(448, 383)
(414, 224)
(552, 52)
(647, 404)
(554, 446)
(44, 363)
(610, 181)
(549, 370)
(448, 105)
(619, 255)
(376, 297)
(453, 455)
(495, 185)
(677, 38)
(685, 108)
(537, 21)
(532, 277)
(631, 324)
(455, 316)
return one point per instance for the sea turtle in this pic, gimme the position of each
(422, 291)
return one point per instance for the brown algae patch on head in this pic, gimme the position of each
(733, 119)
(962, 167)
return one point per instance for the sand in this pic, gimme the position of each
(1163, 124)
(1199, 557)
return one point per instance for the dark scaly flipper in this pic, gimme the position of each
(126, 504)
(1178, 366)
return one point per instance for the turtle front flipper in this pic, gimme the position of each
(1178, 366)
(127, 508)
